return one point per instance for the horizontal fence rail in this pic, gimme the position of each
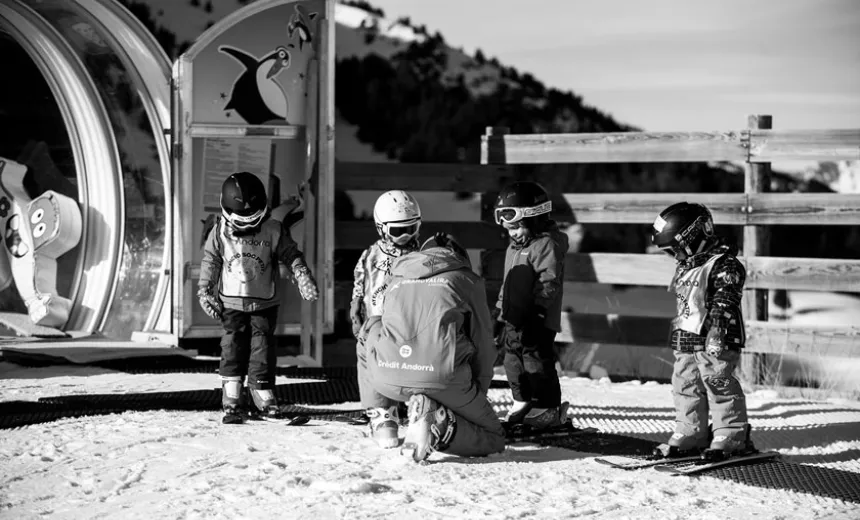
(810, 145)
(761, 146)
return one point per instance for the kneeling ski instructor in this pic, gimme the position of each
(433, 348)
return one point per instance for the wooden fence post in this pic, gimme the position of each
(490, 154)
(756, 243)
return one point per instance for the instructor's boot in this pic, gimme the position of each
(384, 423)
(431, 428)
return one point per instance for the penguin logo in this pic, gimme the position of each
(299, 25)
(257, 97)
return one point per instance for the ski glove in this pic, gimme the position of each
(715, 342)
(210, 304)
(356, 315)
(304, 280)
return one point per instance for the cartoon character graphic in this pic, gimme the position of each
(300, 25)
(5, 268)
(257, 96)
(35, 233)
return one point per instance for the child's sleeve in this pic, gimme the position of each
(548, 263)
(210, 264)
(288, 251)
(359, 276)
(728, 278)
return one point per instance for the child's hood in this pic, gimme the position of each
(423, 264)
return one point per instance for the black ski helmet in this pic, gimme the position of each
(682, 229)
(243, 201)
(523, 200)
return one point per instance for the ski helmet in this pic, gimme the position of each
(683, 229)
(526, 201)
(243, 201)
(397, 216)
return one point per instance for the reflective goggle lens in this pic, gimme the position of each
(508, 215)
(396, 231)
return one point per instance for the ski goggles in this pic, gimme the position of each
(399, 231)
(243, 222)
(511, 215)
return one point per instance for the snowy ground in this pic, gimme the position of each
(187, 465)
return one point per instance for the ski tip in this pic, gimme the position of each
(299, 420)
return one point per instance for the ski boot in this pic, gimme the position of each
(232, 400)
(681, 445)
(544, 418)
(265, 404)
(431, 428)
(383, 426)
(517, 413)
(725, 446)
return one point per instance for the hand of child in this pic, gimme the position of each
(305, 282)
(715, 342)
(210, 304)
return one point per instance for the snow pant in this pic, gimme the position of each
(703, 383)
(248, 347)
(370, 398)
(530, 365)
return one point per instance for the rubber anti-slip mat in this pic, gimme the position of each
(14, 414)
(771, 474)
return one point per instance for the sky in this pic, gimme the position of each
(665, 65)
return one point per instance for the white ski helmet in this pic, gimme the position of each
(397, 216)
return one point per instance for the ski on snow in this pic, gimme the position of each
(522, 432)
(630, 463)
(702, 465)
(361, 420)
(287, 419)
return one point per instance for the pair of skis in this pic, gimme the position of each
(690, 465)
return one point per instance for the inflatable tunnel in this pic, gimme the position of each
(94, 112)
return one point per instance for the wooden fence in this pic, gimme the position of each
(755, 209)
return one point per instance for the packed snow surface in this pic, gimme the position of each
(184, 465)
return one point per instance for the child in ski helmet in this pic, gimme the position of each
(397, 217)
(238, 287)
(707, 335)
(528, 311)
